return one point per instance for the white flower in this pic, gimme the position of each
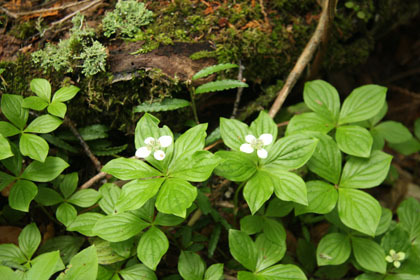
(154, 145)
(395, 257)
(257, 144)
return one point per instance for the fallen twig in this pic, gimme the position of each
(239, 92)
(93, 180)
(69, 16)
(303, 60)
(82, 142)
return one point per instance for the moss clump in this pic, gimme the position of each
(80, 50)
(126, 19)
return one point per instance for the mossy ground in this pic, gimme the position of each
(266, 40)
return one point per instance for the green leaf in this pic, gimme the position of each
(258, 190)
(326, 159)
(44, 266)
(43, 124)
(5, 150)
(283, 272)
(290, 152)
(110, 194)
(147, 211)
(13, 164)
(322, 198)
(21, 195)
(190, 141)
(378, 141)
(152, 246)
(363, 103)
(264, 124)
(105, 252)
(407, 148)
(84, 266)
(243, 249)
(45, 171)
(136, 193)
(417, 128)
(213, 69)
(48, 196)
(233, 133)
(322, 98)
(394, 132)
(274, 231)
(60, 143)
(251, 224)
(384, 222)
(219, 86)
(379, 116)
(58, 109)
(309, 122)
(11, 107)
(235, 166)
(191, 266)
(167, 104)
(29, 240)
(175, 196)
(278, 208)
(66, 213)
(397, 239)
(246, 275)
(137, 271)
(7, 273)
(129, 168)
(354, 140)
(365, 173)
(42, 88)
(333, 249)
(7, 129)
(69, 184)
(288, 186)
(408, 214)
(66, 244)
(368, 254)
(167, 220)
(5, 180)
(214, 272)
(196, 167)
(84, 223)
(119, 227)
(65, 94)
(358, 210)
(109, 151)
(35, 103)
(269, 252)
(10, 253)
(84, 198)
(33, 146)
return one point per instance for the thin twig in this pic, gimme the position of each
(195, 217)
(404, 91)
(69, 16)
(239, 92)
(213, 145)
(41, 11)
(303, 60)
(267, 22)
(85, 146)
(93, 180)
(283, 124)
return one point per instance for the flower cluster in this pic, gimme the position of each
(395, 257)
(155, 145)
(257, 144)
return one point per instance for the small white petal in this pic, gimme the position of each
(159, 155)
(397, 264)
(250, 138)
(165, 141)
(401, 255)
(149, 140)
(246, 148)
(262, 153)
(392, 252)
(266, 138)
(143, 152)
(389, 259)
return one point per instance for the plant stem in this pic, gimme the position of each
(194, 109)
(235, 198)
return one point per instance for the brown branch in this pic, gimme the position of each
(69, 16)
(404, 91)
(238, 93)
(93, 180)
(82, 142)
(303, 60)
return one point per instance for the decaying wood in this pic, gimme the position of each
(174, 60)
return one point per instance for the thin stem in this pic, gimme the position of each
(235, 198)
(239, 92)
(194, 109)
